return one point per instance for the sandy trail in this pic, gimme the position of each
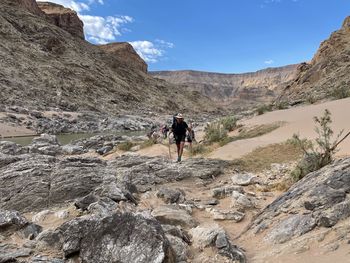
(298, 120)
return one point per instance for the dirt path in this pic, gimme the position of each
(298, 120)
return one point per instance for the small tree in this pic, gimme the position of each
(319, 153)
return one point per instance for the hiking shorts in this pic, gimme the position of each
(180, 138)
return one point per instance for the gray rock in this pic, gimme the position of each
(12, 148)
(177, 232)
(295, 225)
(171, 196)
(324, 192)
(105, 149)
(46, 145)
(11, 221)
(145, 172)
(225, 191)
(73, 150)
(84, 202)
(103, 207)
(227, 215)
(205, 235)
(112, 191)
(172, 215)
(179, 246)
(241, 201)
(221, 241)
(244, 179)
(33, 182)
(118, 238)
(7, 256)
(215, 236)
(30, 231)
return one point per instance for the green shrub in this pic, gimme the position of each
(311, 99)
(215, 132)
(199, 149)
(148, 143)
(263, 108)
(341, 92)
(282, 105)
(317, 153)
(125, 146)
(229, 123)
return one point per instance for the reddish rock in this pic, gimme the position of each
(64, 18)
(124, 52)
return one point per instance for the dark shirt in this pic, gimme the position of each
(179, 129)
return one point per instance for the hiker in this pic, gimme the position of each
(190, 135)
(164, 131)
(179, 129)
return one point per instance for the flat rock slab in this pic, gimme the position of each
(244, 179)
(172, 215)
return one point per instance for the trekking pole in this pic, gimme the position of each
(169, 147)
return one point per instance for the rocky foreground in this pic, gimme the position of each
(65, 204)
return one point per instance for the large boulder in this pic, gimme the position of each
(120, 238)
(319, 199)
(35, 182)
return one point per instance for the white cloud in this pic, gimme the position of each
(75, 5)
(102, 30)
(165, 44)
(269, 62)
(149, 51)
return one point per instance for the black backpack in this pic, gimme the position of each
(174, 120)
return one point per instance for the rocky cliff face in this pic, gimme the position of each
(64, 18)
(326, 73)
(125, 52)
(29, 5)
(261, 85)
(43, 67)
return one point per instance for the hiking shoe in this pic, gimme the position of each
(178, 159)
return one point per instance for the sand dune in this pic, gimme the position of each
(297, 120)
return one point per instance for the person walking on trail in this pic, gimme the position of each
(190, 136)
(179, 129)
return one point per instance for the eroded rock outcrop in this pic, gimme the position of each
(325, 74)
(64, 18)
(29, 5)
(126, 53)
(320, 199)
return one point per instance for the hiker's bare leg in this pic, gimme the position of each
(182, 144)
(178, 150)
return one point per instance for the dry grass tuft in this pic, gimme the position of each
(261, 158)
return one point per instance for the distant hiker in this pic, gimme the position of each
(179, 129)
(165, 129)
(190, 135)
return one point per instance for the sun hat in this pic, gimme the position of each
(179, 116)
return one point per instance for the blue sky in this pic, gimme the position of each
(229, 36)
